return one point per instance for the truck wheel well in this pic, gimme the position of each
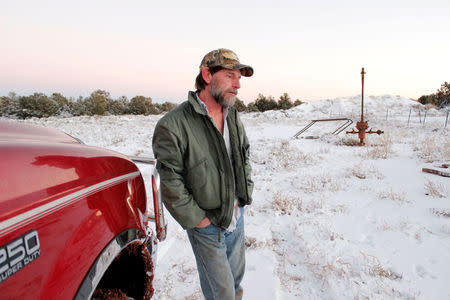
(129, 275)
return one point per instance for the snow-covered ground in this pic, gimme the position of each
(330, 220)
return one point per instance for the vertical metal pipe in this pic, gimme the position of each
(409, 117)
(446, 119)
(362, 94)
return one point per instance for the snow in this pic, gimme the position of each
(330, 220)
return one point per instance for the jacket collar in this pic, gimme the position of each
(195, 105)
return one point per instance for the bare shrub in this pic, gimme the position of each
(441, 212)
(321, 183)
(379, 271)
(286, 156)
(432, 149)
(117, 140)
(446, 151)
(348, 142)
(139, 152)
(252, 243)
(285, 204)
(426, 148)
(249, 242)
(332, 235)
(340, 209)
(324, 150)
(362, 171)
(327, 270)
(380, 150)
(357, 172)
(435, 190)
(313, 205)
(390, 194)
(283, 155)
(324, 270)
(385, 227)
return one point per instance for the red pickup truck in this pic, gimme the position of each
(74, 219)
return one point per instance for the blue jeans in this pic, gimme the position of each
(220, 264)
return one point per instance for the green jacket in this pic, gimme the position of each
(196, 174)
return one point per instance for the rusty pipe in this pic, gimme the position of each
(362, 94)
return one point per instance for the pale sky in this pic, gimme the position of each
(309, 49)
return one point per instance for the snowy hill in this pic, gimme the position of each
(330, 220)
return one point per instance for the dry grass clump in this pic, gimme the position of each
(331, 235)
(381, 150)
(324, 150)
(384, 226)
(352, 142)
(390, 194)
(117, 140)
(183, 272)
(253, 243)
(139, 152)
(379, 271)
(250, 242)
(362, 171)
(357, 172)
(320, 183)
(441, 212)
(340, 209)
(366, 270)
(287, 157)
(325, 271)
(446, 151)
(286, 204)
(432, 149)
(435, 190)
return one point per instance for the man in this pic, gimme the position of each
(203, 162)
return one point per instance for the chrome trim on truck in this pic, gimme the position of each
(41, 211)
(144, 160)
(158, 217)
(108, 255)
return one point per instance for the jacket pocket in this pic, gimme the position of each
(203, 181)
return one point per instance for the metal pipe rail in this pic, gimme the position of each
(338, 130)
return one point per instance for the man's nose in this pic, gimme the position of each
(237, 83)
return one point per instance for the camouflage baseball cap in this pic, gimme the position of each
(227, 59)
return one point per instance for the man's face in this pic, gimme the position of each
(224, 86)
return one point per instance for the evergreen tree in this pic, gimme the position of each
(97, 103)
(61, 102)
(251, 107)
(77, 107)
(443, 95)
(140, 105)
(285, 102)
(239, 105)
(265, 103)
(118, 106)
(9, 105)
(440, 99)
(297, 102)
(37, 105)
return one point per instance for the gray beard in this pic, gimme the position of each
(220, 98)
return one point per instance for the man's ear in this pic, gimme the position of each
(207, 76)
